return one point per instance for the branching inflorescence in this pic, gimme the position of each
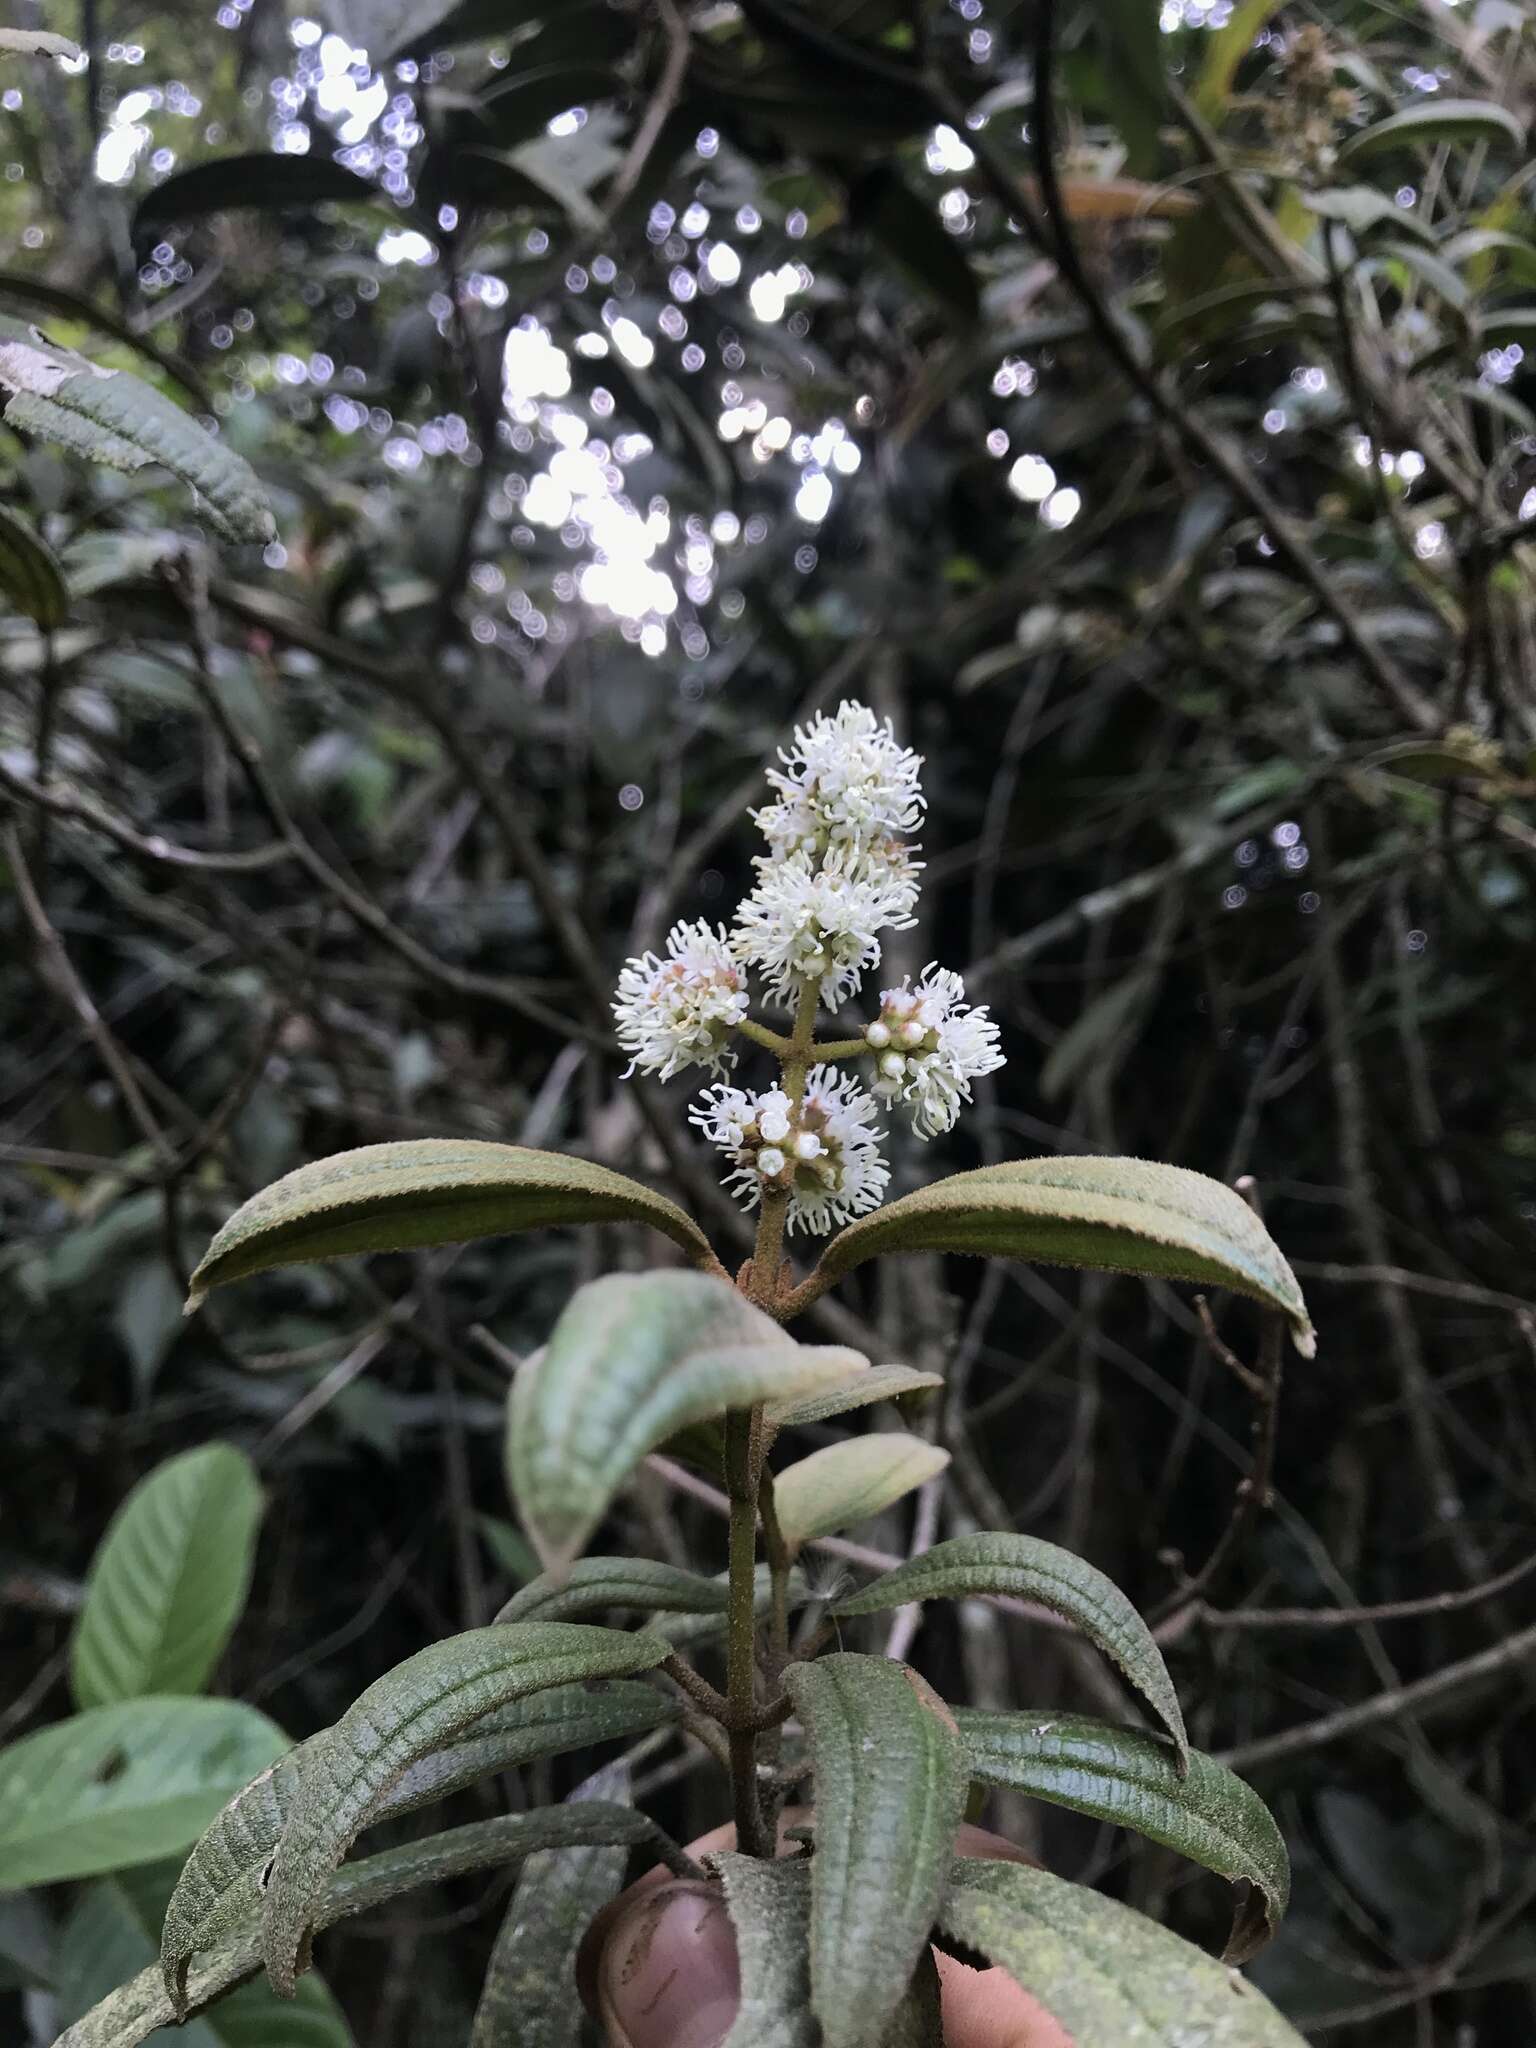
(839, 870)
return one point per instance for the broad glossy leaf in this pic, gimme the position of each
(1114, 1215)
(121, 1785)
(220, 1885)
(770, 1908)
(110, 1936)
(1031, 1569)
(426, 1191)
(1112, 1977)
(30, 575)
(113, 417)
(529, 1997)
(594, 1583)
(401, 1718)
(850, 1481)
(1437, 120)
(891, 1779)
(134, 2011)
(1133, 1780)
(169, 1579)
(861, 1389)
(262, 179)
(633, 1359)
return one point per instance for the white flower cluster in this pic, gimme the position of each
(930, 1045)
(838, 872)
(681, 1011)
(819, 1150)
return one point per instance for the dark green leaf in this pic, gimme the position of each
(1133, 1780)
(402, 1718)
(891, 1780)
(1116, 1215)
(261, 180)
(850, 1481)
(770, 1909)
(1435, 120)
(113, 417)
(633, 1359)
(121, 1785)
(910, 234)
(529, 1998)
(524, 105)
(221, 1887)
(1031, 1569)
(594, 1583)
(169, 1580)
(30, 574)
(1130, 45)
(427, 1191)
(1111, 1976)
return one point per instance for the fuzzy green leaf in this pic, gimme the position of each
(861, 1389)
(401, 1718)
(220, 1887)
(136, 2009)
(850, 1481)
(594, 1583)
(113, 417)
(1434, 121)
(426, 1191)
(1112, 1977)
(529, 1997)
(169, 1579)
(891, 1778)
(122, 1785)
(1114, 1215)
(1133, 1780)
(770, 1909)
(1030, 1569)
(633, 1359)
(681, 1629)
(30, 574)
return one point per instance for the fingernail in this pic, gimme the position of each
(669, 1976)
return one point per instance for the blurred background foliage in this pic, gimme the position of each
(1138, 410)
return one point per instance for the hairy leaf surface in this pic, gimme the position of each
(426, 1191)
(850, 1481)
(770, 1909)
(1133, 1780)
(984, 1562)
(860, 1389)
(594, 1583)
(891, 1777)
(1112, 1977)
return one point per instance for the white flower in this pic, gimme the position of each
(846, 781)
(825, 1156)
(808, 922)
(681, 1011)
(929, 1046)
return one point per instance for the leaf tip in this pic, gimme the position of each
(195, 1298)
(1304, 1337)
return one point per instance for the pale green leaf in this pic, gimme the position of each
(1433, 121)
(1030, 1569)
(861, 1389)
(401, 1718)
(1223, 49)
(111, 416)
(850, 1481)
(1112, 1977)
(1114, 1215)
(891, 1778)
(594, 1583)
(770, 1909)
(30, 574)
(220, 1887)
(123, 1784)
(633, 1359)
(529, 1997)
(137, 2008)
(169, 1579)
(427, 1191)
(1132, 1780)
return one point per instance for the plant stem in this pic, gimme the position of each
(742, 1431)
(841, 1048)
(761, 1034)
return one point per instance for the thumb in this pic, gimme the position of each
(667, 1976)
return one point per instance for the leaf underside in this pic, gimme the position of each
(848, 1482)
